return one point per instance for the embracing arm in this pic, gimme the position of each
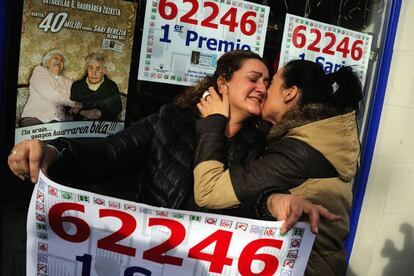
(212, 184)
(283, 167)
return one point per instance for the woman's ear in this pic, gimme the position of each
(220, 83)
(290, 94)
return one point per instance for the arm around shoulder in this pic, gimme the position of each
(212, 186)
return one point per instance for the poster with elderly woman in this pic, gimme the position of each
(74, 68)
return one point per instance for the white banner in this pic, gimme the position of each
(182, 40)
(331, 46)
(73, 232)
(78, 129)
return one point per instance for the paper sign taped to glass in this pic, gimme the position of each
(74, 68)
(74, 232)
(330, 46)
(182, 40)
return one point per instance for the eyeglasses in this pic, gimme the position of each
(96, 69)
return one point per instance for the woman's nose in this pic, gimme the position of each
(262, 87)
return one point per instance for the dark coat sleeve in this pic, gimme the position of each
(110, 157)
(284, 165)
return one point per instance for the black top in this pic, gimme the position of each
(106, 98)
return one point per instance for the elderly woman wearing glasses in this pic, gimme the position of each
(98, 94)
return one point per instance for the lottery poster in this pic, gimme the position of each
(73, 232)
(328, 45)
(74, 68)
(182, 40)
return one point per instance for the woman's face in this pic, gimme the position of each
(247, 89)
(276, 105)
(56, 64)
(95, 71)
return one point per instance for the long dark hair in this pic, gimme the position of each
(341, 89)
(227, 64)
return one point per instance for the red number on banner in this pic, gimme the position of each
(56, 220)
(327, 48)
(245, 21)
(343, 47)
(207, 22)
(249, 254)
(186, 18)
(163, 5)
(229, 19)
(219, 257)
(356, 52)
(299, 38)
(156, 254)
(312, 46)
(127, 228)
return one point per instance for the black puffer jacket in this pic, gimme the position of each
(151, 161)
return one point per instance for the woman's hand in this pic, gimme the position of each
(290, 208)
(78, 105)
(74, 110)
(212, 103)
(91, 114)
(29, 156)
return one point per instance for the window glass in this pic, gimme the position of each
(368, 16)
